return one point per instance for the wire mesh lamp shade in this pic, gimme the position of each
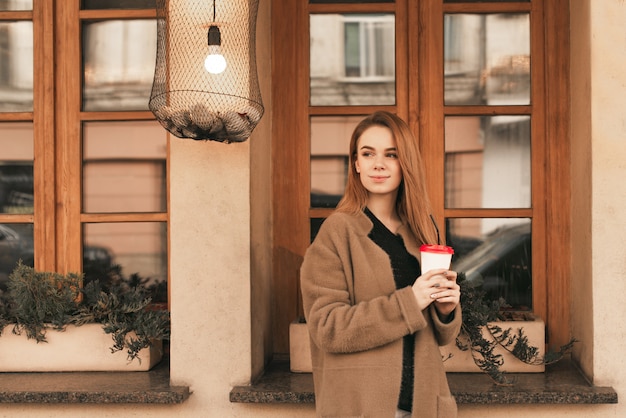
(205, 83)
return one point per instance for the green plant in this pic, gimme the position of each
(477, 315)
(36, 302)
(110, 274)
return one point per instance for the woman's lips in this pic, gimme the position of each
(379, 179)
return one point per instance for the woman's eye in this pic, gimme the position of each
(367, 154)
(392, 155)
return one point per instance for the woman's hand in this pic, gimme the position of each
(438, 286)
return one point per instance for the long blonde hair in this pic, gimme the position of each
(412, 204)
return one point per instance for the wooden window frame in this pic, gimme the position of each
(417, 42)
(57, 122)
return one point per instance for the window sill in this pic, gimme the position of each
(562, 383)
(150, 387)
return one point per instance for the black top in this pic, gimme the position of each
(406, 269)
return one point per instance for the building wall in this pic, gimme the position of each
(220, 259)
(608, 192)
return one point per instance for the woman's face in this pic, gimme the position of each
(377, 161)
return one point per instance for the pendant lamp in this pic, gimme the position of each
(205, 83)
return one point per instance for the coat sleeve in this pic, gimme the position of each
(339, 324)
(446, 332)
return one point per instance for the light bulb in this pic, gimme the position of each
(215, 62)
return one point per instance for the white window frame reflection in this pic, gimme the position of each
(376, 58)
(369, 85)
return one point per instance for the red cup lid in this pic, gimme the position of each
(434, 248)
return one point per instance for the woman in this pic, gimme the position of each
(375, 320)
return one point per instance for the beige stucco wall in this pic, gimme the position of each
(220, 230)
(608, 208)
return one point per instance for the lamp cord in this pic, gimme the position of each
(213, 11)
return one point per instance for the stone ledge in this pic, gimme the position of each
(150, 387)
(562, 383)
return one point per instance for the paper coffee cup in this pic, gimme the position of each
(435, 257)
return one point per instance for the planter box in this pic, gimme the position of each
(84, 348)
(461, 361)
(299, 348)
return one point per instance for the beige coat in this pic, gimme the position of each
(356, 319)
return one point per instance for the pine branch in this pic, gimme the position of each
(38, 301)
(124, 314)
(477, 315)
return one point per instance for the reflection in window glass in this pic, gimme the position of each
(496, 255)
(16, 167)
(6, 5)
(485, 1)
(330, 140)
(119, 59)
(130, 251)
(352, 59)
(350, 1)
(124, 167)
(487, 59)
(487, 162)
(117, 4)
(16, 243)
(315, 225)
(16, 66)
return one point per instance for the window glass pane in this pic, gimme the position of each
(495, 254)
(485, 1)
(315, 224)
(352, 59)
(487, 59)
(330, 140)
(16, 66)
(349, 1)
(16, 167)
(16, 5)
(124, 167)
(120, 250)
(16, 243)
(487, 162)
(118, 64)
(117, 4)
